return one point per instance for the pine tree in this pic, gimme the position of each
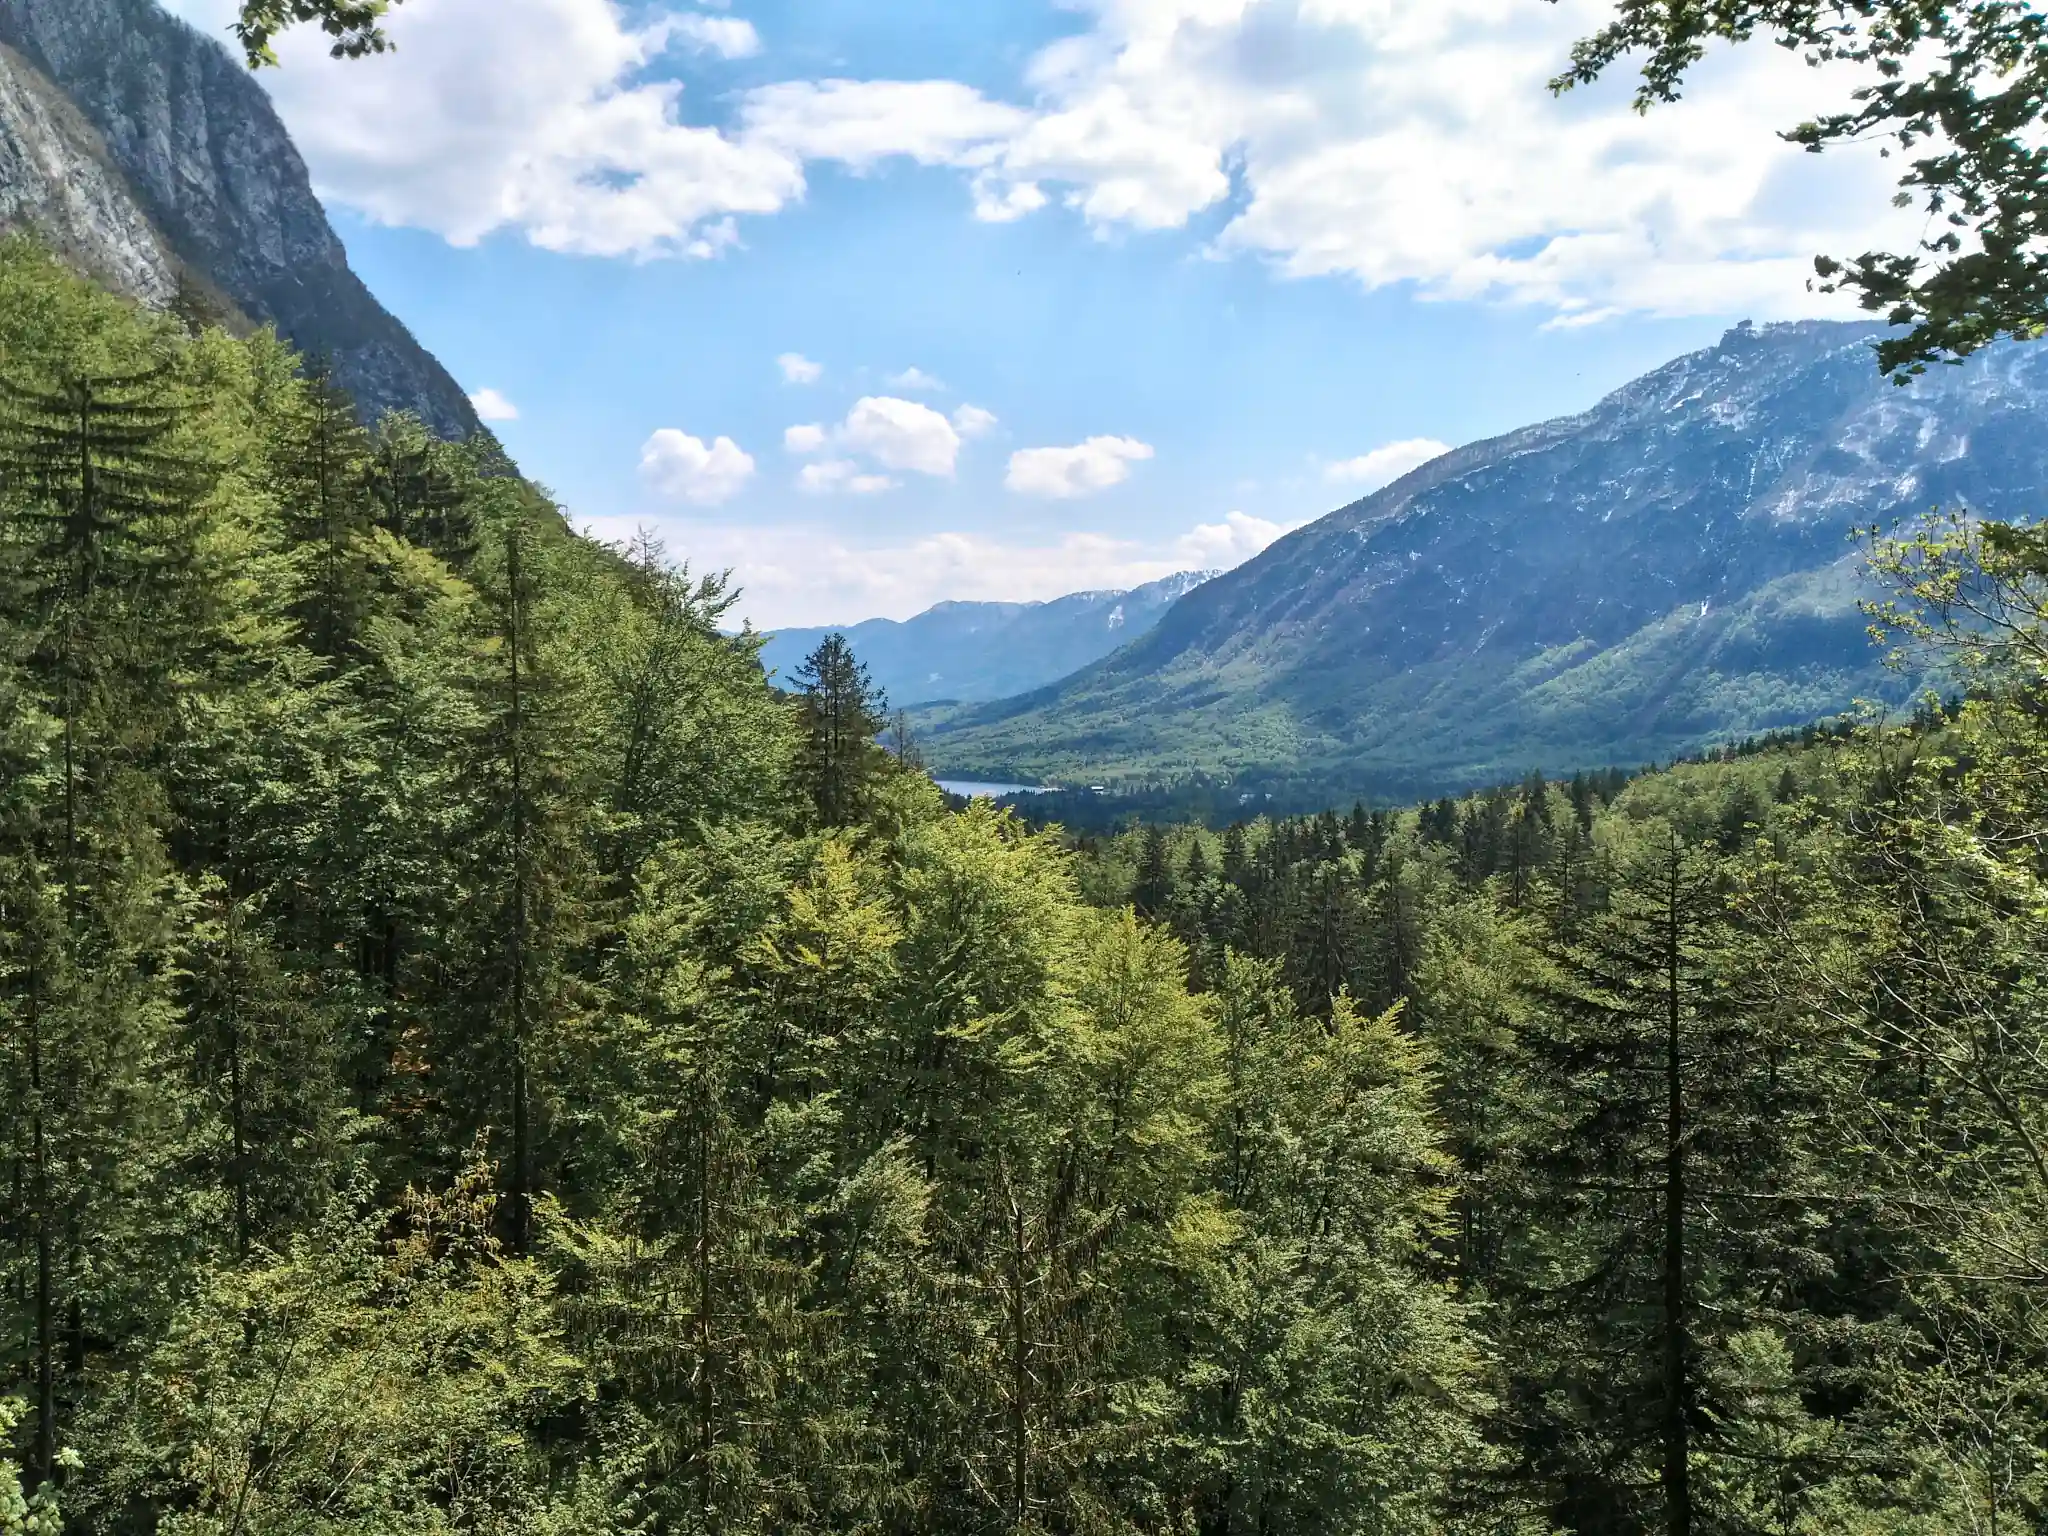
(1673, 1184)
(320, 472)
(842, 711)
(424, 490)
(103, 499)
(1236, 858)
(1153, 891)
(1335, 1386)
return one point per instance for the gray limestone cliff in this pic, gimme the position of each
(57, 183)
(158, 165)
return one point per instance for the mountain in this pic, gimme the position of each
(971, 652)
(148, 156)
(1671, 568)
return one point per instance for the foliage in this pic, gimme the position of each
(1960, 88)
(475, 1056)
(355, 26)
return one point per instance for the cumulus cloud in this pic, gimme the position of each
(492, 406)
(971, 421)
(886, 431)
(1219, 546)
(834, 475)
(915, 379)
(1385, 464)
(1394, 144)
(677, 465)
(798, 369)
(860, 123)
(727, 36)
(1082, 470)
(1417, 144)
(535, 115)
(901, 434)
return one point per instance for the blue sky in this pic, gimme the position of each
(881, 302)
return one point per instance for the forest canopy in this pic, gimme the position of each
(477, 1055)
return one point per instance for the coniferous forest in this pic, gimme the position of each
(475, 1055)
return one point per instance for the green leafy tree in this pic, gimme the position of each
(1336, 1386)
(354, 25)
(1960, 88)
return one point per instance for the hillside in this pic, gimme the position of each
(972, 652)
(1673, 567)
(147, 156)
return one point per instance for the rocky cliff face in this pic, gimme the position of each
(1671, 568)
(57, 182)
(183, 139)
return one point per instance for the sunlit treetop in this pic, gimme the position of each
(1960, 94)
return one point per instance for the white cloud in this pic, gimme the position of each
(1397, 144)
(809, 573)
(1385, 464)
(534, 115)
(1219, 546)
(727, 36)
(894, 433)
(798, 369)
(901, 434)
(834, 475)
(1417, 144)
(1094, 465)
(860, 123)
(915, 379)
(492, 406)
(971, 421)
(678, 465)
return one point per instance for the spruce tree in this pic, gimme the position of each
(1673, 1180)
(102, 500)
(320, 469)
(842, 712)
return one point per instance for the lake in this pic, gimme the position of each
(974, 788)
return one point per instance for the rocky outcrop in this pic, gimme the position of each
(200, 152)
(57, 183)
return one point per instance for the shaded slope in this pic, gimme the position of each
(1670, 568)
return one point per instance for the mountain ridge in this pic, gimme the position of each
(1666, 569)
(990, 650)
(188, 191)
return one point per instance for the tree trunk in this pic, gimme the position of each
(1677, 1473)
(522, 1187)
(1020, 1375)
(45, 1458)
(706, 1397)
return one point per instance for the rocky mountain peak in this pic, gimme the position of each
(148, 155)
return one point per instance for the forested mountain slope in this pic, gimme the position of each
(1673, 567)
(979, 651)
(152, 158)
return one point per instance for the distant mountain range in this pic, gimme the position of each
(1672, 568)
(147, 156)
(971, 652)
